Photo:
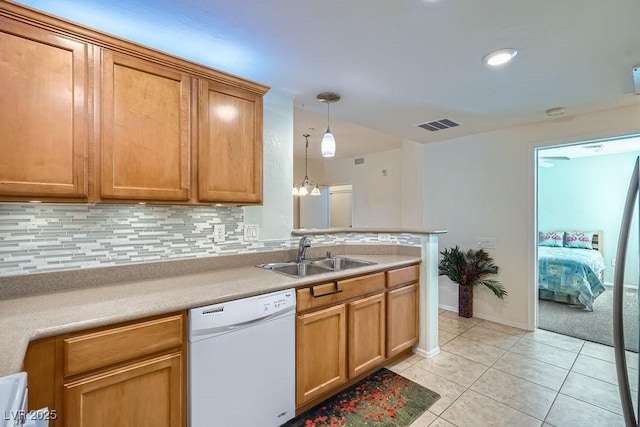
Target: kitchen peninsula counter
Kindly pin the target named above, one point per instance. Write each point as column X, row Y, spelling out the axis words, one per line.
column 66, row 308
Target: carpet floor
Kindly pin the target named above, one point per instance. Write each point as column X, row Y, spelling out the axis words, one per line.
column 596, row 326
column 383, row 399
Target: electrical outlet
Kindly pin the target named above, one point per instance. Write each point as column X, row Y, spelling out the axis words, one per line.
column 383, row 237
column 218, row 233
column 251, row 232
column 486, row 242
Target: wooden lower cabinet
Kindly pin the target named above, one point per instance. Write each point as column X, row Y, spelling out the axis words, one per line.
column 144, row 393
column 366, row 334
column 321, row 344
column 402, row 318
column 347, row 329
column 129, row 374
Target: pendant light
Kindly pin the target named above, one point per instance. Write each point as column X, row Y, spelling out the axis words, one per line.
column 328, row 146
column 302, row 189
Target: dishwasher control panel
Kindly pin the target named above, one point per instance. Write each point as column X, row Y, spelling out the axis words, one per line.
column 231, row 315
column 274, row 303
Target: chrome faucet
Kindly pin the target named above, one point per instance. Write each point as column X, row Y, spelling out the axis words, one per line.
column 305, row 243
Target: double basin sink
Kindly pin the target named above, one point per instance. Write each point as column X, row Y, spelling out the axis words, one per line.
column 309, row 267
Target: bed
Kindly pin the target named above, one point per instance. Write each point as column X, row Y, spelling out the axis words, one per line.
column 570, row 266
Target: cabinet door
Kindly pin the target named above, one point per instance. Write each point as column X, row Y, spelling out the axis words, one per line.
column 402, row 319
column 145, row 136
column 148, row 393
column 366, row 334
column 43, row 113
column 230, row 147
column 320, row 352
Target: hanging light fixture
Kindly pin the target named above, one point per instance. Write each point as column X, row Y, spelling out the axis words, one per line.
column 328, row 146
column 302, row 189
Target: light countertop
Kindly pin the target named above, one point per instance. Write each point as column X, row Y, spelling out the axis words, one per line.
column 319, row 231
column 29, row 318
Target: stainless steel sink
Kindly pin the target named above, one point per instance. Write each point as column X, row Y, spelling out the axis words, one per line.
column 310, row 267
column 342, row 263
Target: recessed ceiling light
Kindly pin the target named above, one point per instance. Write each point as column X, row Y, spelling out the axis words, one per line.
column 499, row 57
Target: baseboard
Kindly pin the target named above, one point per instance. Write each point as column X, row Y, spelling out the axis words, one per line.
column 427, row 354
column 502, row 321
column 626, row 286
column 446, row 307
column 489, row 318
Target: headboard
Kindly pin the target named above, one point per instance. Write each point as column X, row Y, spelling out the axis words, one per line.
column 596, row 243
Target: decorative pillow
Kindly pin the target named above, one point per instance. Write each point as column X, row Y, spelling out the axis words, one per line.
column 551, row 238
column 575, row 239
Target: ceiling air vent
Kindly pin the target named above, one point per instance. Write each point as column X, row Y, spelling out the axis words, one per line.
column 438, row 125
column 359, row 161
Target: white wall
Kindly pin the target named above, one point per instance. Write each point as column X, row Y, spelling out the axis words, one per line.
column 315, row 172
column 275, row 216
column 412, row 184
column 314, row 210
column 483, row 185
column 394, row 200
column 377, row 199
column 589, row 193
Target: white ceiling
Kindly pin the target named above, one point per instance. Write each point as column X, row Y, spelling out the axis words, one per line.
column 396, row 63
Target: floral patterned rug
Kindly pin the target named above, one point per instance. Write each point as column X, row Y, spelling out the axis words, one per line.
column 383, row 399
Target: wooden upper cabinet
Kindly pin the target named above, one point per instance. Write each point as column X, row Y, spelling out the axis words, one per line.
column 88, row 117
column 43, row 114
column 230, row 144
column 145, row 132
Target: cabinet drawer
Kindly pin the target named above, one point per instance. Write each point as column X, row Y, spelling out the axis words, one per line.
column 332, row 292
column 402, row 276
column 88, row 351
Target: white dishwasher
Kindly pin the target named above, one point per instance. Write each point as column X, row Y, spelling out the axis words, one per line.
column 242, row 362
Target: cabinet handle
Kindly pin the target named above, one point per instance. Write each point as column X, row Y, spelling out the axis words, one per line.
column 335, row 291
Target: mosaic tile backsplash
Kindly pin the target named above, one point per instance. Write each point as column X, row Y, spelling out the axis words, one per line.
column 39, row 238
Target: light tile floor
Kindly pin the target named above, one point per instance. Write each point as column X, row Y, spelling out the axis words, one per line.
column 490, row 374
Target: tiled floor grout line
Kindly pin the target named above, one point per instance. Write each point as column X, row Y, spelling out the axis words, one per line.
column 507, row 373
column 520, row 338
column 562, row 385
column 541, row 340
column 484, row 372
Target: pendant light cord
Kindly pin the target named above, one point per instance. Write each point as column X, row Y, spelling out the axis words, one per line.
column 306, row 151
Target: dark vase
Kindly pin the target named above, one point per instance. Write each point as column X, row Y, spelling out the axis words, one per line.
column 465, row 301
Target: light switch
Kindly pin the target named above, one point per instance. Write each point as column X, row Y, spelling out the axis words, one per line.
column 251, row 232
